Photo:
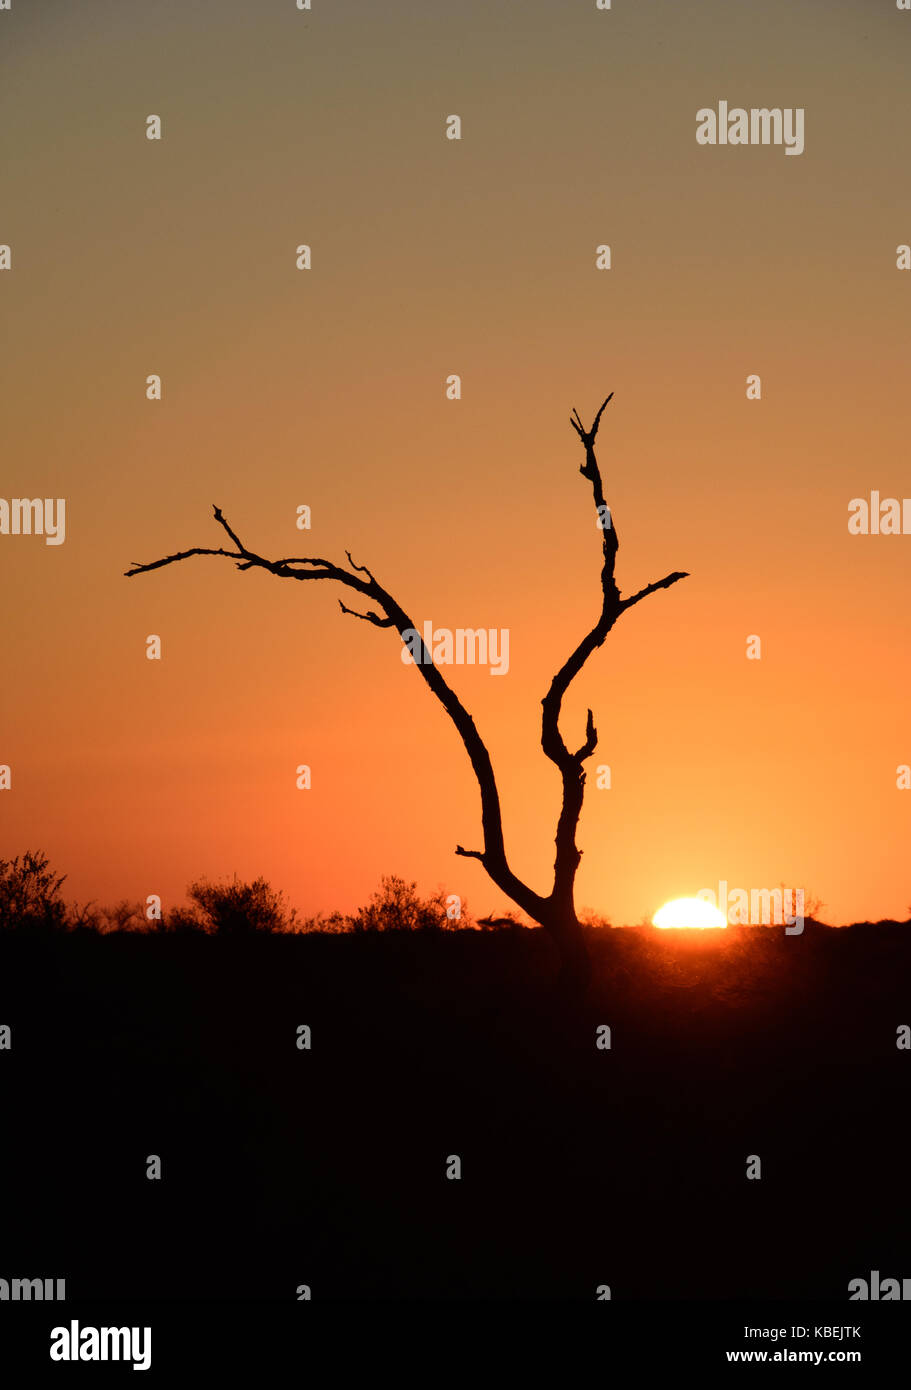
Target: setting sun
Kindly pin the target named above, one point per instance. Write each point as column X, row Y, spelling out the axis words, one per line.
column 689, row 912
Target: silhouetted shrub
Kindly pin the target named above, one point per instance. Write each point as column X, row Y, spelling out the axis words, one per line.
column 507, row 921
column 122, row 916
column 397, row 906
column 30, row 894
column 590, row 918
column 233, row 909
column 181, row 920
column 322, row 922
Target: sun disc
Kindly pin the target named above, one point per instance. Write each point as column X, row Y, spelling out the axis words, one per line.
column 689, row 912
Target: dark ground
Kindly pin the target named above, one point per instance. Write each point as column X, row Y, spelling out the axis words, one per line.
column 580, row 1167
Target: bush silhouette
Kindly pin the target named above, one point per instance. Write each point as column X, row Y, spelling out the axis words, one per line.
column 233, row 909
column 397, row 906
column 30, row 894
column 123, row 916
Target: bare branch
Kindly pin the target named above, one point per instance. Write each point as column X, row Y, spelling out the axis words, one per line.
column 551, row 738
column 390, row 614
column 362, row 568
column 221, row 521
column 588, row 436
column 653, row 588
column 303, row 559
column 591, row 740
column 331, row 569
column 172, row 559
column 470, row 853
column 367, row 617
column 552, row 742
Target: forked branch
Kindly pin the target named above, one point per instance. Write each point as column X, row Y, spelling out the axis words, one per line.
column 612, row 605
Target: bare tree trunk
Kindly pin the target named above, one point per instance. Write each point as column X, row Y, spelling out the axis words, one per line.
column 565, row 930
column 556, row 913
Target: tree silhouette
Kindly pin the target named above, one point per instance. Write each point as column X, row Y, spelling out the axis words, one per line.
column 30, row 893
column 556, row 912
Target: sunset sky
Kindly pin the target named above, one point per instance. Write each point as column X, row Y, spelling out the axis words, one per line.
column 327, row 388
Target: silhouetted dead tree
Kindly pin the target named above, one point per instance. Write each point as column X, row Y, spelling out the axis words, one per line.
column 556, row 912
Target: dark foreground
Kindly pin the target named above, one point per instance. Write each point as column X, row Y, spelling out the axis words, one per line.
column 580, row 1167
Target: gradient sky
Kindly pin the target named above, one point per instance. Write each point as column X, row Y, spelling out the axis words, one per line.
column 326, row 387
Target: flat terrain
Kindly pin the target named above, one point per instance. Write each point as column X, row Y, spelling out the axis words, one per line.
column 580, row 1166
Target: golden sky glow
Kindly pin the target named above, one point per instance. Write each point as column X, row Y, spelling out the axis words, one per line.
column 326, row 388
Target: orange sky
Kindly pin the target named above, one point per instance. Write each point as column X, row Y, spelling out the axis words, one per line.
column 326, row 387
